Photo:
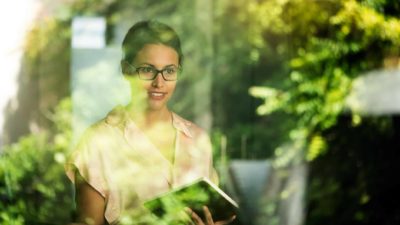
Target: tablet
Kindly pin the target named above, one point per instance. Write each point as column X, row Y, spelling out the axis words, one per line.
column 202, row 192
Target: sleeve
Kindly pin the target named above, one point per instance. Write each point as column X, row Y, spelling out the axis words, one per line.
column 206, row 145
column 87, row 160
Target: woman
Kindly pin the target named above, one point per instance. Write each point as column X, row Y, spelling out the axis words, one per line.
column 143, row 149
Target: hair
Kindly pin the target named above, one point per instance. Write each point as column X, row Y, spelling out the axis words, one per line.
column 149, row 32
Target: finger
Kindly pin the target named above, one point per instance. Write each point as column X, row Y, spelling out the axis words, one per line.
column 196, row 218
column 189, row 213
column 224, row 222
column 208, row 215
column 188, row 210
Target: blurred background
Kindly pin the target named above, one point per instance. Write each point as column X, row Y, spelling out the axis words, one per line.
column 301, row 99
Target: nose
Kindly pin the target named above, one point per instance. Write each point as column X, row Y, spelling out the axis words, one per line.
column 158, row 81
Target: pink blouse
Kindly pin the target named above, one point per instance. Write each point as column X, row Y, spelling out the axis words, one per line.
column 119, row 161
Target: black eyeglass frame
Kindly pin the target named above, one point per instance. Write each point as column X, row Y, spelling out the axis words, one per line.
column 155, row 71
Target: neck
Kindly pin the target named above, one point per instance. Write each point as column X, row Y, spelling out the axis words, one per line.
column 148, row 118
column 152, row 117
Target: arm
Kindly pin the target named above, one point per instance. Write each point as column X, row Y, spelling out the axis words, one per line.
column 90, row 203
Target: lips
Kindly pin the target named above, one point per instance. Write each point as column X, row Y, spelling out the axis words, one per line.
column 154, row 95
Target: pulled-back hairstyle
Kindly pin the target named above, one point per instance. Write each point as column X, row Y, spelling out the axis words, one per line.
column 149, row 32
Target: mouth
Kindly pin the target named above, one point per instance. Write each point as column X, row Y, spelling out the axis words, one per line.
column 157, row 95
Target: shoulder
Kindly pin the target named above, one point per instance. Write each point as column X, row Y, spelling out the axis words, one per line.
column 189, row 128
column 114, row 120
column 116, row 117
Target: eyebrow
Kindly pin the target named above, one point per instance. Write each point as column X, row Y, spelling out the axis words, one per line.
column 148, row 64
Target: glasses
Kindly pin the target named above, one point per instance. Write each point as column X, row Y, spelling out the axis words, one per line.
column 170, row 73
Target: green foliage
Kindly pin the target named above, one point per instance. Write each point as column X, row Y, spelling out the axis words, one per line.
column 299, row 59
column 34, row 188
column 326, row 52
column 328, row 44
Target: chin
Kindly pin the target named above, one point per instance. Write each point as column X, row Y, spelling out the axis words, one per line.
column 156, row 105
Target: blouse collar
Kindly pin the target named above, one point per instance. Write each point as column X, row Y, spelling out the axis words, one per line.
column 181, row 124
column 118, row 115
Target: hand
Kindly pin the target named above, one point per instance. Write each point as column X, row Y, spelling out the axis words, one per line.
column 209, row 220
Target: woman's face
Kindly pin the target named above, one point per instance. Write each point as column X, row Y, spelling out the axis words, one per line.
column 157, row 92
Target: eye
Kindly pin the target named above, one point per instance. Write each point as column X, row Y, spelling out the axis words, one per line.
column 146, row 69
column 170, row 70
